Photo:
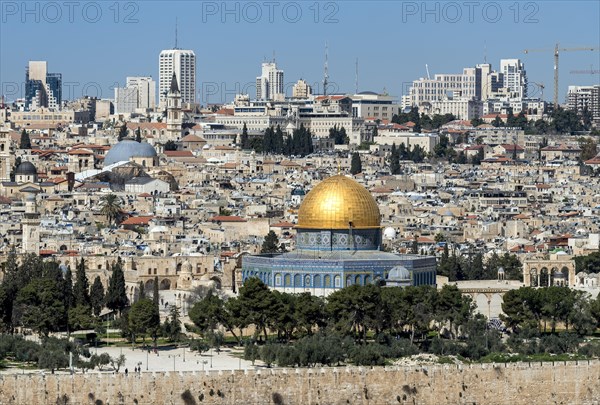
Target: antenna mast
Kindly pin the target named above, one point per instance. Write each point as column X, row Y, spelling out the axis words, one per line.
column 326, row 73
column 356, row 81
column 175, row 32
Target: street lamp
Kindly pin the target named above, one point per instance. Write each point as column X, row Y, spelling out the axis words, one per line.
column 174, row 357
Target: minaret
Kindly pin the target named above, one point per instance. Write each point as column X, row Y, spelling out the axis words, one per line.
column 31, row 223
column 174, row 114
column 6, row 158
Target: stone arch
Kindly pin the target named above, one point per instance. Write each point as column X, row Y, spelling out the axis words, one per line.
column 565, row 271
column 357, row 280
column 337, row 281
column 165, row 284
column 368, row 280
column 348, row 281
column 149, row 285
column 178, row 268
column 217, row 282
column 544, row 280
column 533, row 277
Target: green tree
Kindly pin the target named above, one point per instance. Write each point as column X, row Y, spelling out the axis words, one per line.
column 270, row 244
column 497, row 122
column 395, row 160
column 41, row 306
column 25, row 142
column 475, row 122
column 595, row 310
column 170, row 145
column 122, row 132
column 80, row 318
column 355, row 309
column 589, row 148
column 142, row 289
column 245, row 142
column 155, row 293
column 144, row 318
column 111, row 207
column 81, row 289
column 259, row 302
column 97, row 296
column 69, row 297
column 210, row 312
column 356, row 164
column 172, row 326
column 116, row 295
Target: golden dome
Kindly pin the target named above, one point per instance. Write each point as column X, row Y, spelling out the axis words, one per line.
column 337, row 201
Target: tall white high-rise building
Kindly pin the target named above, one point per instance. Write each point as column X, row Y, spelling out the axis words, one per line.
column 515, row 77
column 183, row 64
column 269, row 85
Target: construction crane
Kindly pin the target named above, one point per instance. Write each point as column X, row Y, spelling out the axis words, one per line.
column 557, row 51
column 541, row 87
column 585, row 72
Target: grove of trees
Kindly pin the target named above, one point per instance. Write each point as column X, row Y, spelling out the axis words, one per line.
column 369, row 324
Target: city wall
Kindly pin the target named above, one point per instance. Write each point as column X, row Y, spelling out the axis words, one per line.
column 512, row 383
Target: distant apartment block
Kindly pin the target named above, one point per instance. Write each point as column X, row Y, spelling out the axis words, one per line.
column 582, row 98
column 370, row 105
column 515, row 77
column 301, row 90
column 183, row 63
column 474, row 92
column 42, row 89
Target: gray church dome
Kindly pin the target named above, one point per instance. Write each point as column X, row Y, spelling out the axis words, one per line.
column 26, row 168
column 126, row 149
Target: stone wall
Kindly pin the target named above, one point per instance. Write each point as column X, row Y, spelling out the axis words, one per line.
column 513, row 383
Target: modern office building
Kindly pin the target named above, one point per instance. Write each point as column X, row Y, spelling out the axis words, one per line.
column 42, row 89
column 269, row 85
column 139, row 93
column 585, row 98
column 183, row 64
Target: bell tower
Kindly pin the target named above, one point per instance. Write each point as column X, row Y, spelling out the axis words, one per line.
column 174, row 114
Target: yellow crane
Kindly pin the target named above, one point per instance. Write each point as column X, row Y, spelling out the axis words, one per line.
column 557, row 50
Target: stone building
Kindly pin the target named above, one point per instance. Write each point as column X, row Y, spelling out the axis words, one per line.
column 338, row 244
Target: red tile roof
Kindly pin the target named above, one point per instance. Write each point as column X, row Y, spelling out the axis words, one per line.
column 137, row 220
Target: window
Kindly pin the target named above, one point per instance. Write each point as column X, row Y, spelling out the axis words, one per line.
column 338, row 281
column 277, row 279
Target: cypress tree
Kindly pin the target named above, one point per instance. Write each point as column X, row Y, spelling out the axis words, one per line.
column 25, row 142
column 355, row 164
column 81, row 289
column 97, row 296
column 116, row 295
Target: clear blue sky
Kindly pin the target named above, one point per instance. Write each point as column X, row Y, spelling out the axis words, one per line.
column 91, row 44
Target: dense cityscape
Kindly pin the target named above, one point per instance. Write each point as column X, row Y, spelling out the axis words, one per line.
column 299, row 225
